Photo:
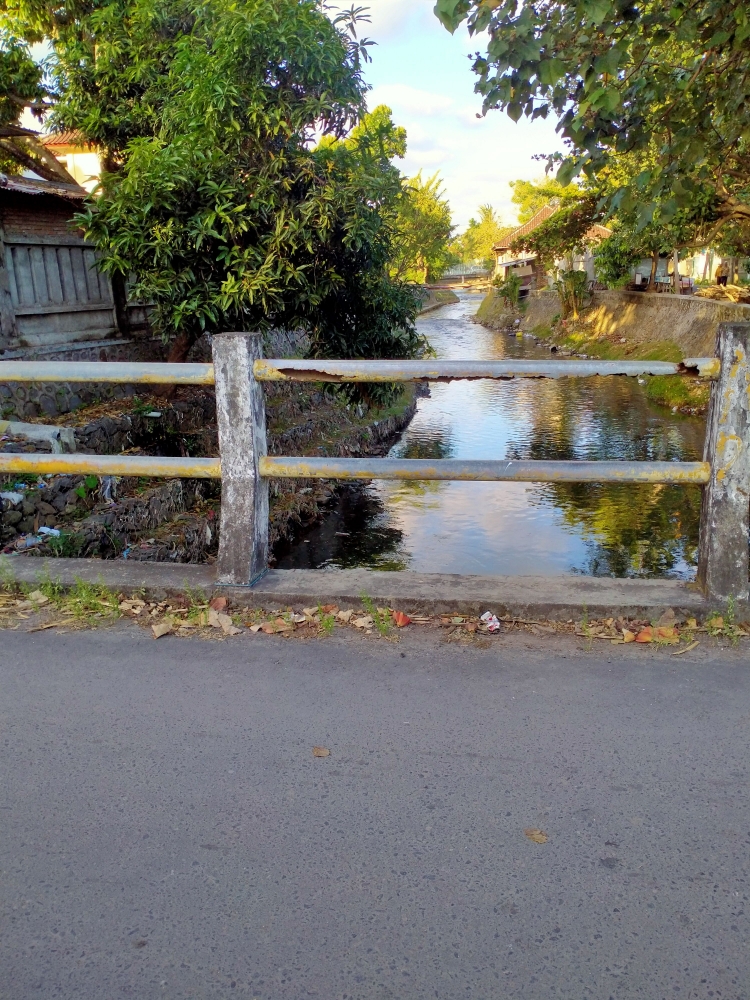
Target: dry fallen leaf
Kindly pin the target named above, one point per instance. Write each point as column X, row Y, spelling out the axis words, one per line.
column 645, row 635
column 345, row 616
column 321, row 752
column 214, row 618
column 538, row 836
column 330, row 609
column 366, row 622
column 163, row 628
column 627, row 635
column 255, row 628
column 227, row 627
column 691, row 623
column 716, row 622
column 310, row 612
column 400, row 619
column 668, row 618
column 218, row 603
column 38, row 597
column 667, row 634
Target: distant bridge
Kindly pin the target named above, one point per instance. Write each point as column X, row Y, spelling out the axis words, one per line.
column 476, row 269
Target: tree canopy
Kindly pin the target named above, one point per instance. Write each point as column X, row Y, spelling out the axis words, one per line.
column 669, row 83
column 475, row 244
column 423, row 231
column 530, row 196
column 215, row 197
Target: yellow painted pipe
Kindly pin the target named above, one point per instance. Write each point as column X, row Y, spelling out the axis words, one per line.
column 112, row 465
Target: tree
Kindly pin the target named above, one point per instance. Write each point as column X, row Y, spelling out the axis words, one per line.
column 672, row 81
column 21, row 87
column 481, row 235
column 530, row 196
column 563, row 235
column 423, row 231
column 215, row 197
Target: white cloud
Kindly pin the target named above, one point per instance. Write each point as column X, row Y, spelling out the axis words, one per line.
column 476, row 157
column 390, row 17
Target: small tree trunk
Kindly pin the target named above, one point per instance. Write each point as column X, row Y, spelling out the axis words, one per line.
column 705, row 264
column 676, row 270
column 654, row 269
column 178, row 354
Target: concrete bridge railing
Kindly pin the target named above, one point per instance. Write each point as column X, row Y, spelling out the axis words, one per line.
column 245, row 468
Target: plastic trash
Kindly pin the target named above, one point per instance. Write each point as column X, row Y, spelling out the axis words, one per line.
column 53, row 532
column 490, row 620
column 28, row 542
column 13, row 497
column 107, row 488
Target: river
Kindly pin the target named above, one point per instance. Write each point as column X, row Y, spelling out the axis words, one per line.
column 519, row 528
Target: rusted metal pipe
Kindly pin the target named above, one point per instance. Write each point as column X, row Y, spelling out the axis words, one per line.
column 485, row 471
column 148, row 373
column 112, row 465
column 275, row 369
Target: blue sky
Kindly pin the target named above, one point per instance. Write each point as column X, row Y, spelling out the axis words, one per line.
column 424, row 74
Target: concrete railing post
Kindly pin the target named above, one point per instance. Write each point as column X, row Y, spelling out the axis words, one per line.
column 725, row 511
column 241, row 418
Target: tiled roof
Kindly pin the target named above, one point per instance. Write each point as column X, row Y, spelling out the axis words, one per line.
column 71, row 138
column 536, row 220
column 595, row 232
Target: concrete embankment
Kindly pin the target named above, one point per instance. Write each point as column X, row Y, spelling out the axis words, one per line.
column 643, row 318
column 626, row 325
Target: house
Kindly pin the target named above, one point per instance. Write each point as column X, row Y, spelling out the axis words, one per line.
column 524, row 265
column 81, row 159
column 527, row 266
column 52, row 293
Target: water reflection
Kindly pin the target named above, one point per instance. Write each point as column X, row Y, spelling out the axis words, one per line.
column 520, row 528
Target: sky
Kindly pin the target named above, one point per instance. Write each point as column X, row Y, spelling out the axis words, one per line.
column 424, row 74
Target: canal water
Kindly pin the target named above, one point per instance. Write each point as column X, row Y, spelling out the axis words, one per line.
column 519, row 528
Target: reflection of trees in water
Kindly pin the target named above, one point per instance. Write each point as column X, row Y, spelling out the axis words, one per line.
column 368, row 539
column 435, row 445
column 633, row 529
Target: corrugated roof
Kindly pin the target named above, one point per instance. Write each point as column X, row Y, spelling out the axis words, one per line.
column 28, row 185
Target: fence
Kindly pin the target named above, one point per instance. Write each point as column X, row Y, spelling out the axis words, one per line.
column 244, row 467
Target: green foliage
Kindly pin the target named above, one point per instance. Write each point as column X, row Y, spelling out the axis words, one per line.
column 214, row 196
column 669, row 84
column 481, row 235
column 530, row 196
column 423, row 231
column 615, row 258
column 572, row 289
column 509, row 289
column 563, row 234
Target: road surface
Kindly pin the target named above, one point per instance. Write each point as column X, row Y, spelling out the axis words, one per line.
column 168, row 833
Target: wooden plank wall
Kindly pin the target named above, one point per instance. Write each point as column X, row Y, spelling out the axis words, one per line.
column 51, row 291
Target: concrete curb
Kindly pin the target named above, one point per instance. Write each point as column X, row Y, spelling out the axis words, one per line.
column 523, row 596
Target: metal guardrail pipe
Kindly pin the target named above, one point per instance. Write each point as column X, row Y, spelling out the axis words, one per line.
column 279, row 369
column 485, row 471
column 111, row 465
column 150, row 373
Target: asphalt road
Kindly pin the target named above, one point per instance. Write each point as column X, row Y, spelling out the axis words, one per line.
column 166, row 831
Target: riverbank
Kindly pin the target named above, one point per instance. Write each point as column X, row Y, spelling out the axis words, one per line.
column 626, row 325
column 436, row 298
